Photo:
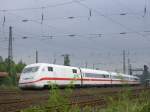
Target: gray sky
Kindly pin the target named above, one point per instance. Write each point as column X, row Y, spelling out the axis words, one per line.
column 104, row 50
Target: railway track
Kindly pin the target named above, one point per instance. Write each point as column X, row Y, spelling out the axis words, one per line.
column 102, row 89
column 28, row 98
column 21, row 91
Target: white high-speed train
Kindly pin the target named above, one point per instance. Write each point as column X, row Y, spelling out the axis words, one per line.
column 40, row 75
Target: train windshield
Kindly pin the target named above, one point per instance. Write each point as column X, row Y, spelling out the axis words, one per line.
column 30, row 69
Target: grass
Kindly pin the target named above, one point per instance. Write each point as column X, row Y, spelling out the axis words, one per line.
column 8, row 87
column 124, row 103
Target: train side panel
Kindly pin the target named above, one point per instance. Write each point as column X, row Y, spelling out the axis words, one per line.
column 67, row 75
column 50, row 74
column 41, row 74
column 95, row 77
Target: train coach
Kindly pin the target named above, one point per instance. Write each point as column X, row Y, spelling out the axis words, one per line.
column 40, row 75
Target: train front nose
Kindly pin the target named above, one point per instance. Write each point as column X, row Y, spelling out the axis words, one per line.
column 27, row 80
column 28, row 77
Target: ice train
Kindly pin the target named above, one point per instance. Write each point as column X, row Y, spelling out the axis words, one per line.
column 40, row 75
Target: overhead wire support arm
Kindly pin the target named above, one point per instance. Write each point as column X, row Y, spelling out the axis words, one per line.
column 42, row 15
column 145, row 8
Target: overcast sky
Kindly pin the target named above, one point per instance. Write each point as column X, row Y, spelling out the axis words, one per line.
column 92, row 31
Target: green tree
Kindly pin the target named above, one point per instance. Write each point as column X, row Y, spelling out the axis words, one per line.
column 2, row 67
column 1, row 59
column 145, row 75
column 20, row 66
column 12, row 68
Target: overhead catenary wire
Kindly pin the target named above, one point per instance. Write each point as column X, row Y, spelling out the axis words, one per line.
column 39, row 8
column 93, row 35
column 108, row 18
column 58, row 5
column 73, row 17
column 3, row 49
column 73, row 35
column 3, row 40
column 25, row 19
column 137, row 15
column 70, row 17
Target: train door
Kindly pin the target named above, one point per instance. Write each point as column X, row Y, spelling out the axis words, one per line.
column 76, row 76
column 51, row 74
column 81, row 76
column 110, row 76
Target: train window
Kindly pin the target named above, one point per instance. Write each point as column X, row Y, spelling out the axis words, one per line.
column 125, row 78
column 106, row 76
column 131, row 78
column 116, row 77
column 31, row 69
column 74, row 70
column 96, row 75
column 50, row 68
column 134, row 79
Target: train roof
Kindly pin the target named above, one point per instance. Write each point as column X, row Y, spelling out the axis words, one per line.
column 124, row 75
column 47, row 64
column 85, row 70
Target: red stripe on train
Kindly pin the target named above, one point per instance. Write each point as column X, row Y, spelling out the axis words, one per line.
column 85, row 79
